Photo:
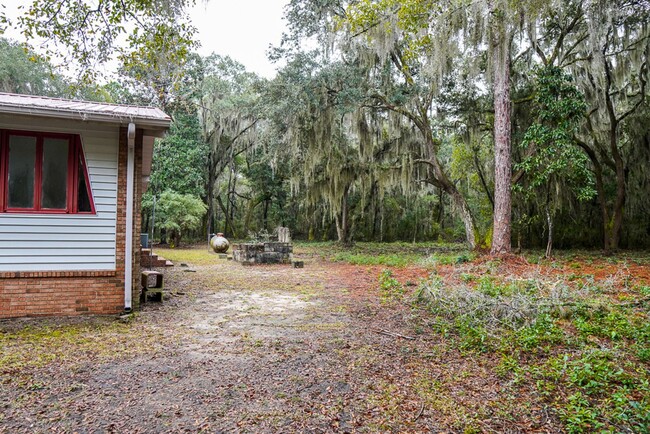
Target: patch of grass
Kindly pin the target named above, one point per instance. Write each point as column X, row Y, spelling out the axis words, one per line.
column 605, row 392
column 99, row 340
column 614, row 325
column 415, row 251
column 595, row 371
column 388, row 260
column 192, row 256
column 448, row 259
column 579, row 415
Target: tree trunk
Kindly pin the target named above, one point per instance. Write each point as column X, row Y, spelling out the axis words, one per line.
column 614, row 226
column 232, row 200
column 549, row 223
column 343, row 224
column 145, row 224
column 500, row 54
column 441, row 210
column 481, row 177
column 251, row 208
column 211, row 181
column 228, row 204
column 229, row 229
column 460, row 204
column 602, row 199
column 619, row 203
column 381, row 226
column 339, row 229
column 415, row 226
column 265, row 216
column 466, row 216
column 376, row 221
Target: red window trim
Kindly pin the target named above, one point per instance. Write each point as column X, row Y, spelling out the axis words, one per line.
column 79, row 157
column 75, row 157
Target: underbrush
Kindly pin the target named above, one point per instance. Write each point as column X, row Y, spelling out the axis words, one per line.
column 389, row 260
column 397, row 254
column 586, row 356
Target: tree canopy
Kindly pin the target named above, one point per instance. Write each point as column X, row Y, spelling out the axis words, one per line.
column 410, row 119
column 88, row 34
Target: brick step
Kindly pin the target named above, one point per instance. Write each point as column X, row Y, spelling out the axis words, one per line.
column 147, row 259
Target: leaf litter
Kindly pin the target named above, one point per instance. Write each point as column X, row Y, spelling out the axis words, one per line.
column 263, row 349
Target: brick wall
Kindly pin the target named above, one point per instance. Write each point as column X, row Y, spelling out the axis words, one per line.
column 48, row 293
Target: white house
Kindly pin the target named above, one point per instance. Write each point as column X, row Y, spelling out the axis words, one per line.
column 72, row 175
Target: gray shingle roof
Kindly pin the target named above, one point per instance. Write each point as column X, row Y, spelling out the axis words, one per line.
column 83, row 110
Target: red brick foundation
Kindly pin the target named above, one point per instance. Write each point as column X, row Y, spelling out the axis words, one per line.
column 50, row 293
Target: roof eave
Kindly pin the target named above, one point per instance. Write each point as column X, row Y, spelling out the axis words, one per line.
column 88, row 117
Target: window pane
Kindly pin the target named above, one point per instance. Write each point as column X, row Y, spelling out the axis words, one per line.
column 54, row 184
column 83, row 196
column 22, row 161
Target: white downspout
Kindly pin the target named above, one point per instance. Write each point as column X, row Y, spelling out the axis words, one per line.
column 128, row 249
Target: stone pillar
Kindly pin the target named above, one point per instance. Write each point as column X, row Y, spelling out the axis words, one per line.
column 284, row 236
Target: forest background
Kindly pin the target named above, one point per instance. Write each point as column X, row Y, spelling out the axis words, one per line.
column 503, row 124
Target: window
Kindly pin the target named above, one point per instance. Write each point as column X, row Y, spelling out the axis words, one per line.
column 43, row 173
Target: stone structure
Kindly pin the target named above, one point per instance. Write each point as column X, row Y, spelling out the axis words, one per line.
column 273, row 252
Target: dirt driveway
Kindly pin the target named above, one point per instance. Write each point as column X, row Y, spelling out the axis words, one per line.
column 262, row 349
column 232, row 349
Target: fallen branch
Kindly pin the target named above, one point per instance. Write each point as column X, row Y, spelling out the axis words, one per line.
column 419, row 413
column 393, row 334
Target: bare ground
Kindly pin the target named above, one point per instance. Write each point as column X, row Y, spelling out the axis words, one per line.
column 263, row 349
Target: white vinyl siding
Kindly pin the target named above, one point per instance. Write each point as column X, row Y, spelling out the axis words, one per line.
column 67, row 242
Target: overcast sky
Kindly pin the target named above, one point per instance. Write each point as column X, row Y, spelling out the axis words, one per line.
column 241, row 29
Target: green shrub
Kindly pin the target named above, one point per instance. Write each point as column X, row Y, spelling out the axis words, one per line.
column 179, row 214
